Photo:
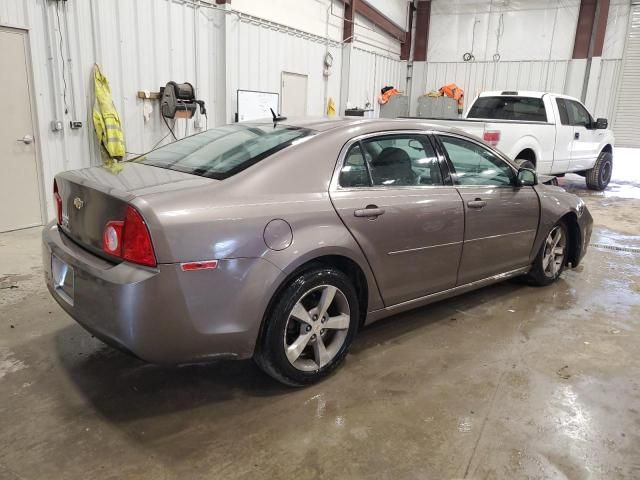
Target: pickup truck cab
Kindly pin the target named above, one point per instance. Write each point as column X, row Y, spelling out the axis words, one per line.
column 555, row 134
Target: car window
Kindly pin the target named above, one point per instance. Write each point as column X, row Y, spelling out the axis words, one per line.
column 222, row 152
column 475, row 164
column 578, row 115
column 354, row 172
column 509, row 108
column 402, row 160
column 562, row 108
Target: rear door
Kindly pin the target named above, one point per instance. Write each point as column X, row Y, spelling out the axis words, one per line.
column 584, row 149
column 501, row 220
column 390, row 193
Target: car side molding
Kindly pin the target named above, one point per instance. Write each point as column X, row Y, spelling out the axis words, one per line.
column 434, row 297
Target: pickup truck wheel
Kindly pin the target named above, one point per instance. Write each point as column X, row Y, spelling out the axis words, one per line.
column 524, row 163
column 599, row 176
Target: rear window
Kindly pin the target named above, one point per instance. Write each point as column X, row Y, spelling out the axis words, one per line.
column 509, row 108
column 222, row 152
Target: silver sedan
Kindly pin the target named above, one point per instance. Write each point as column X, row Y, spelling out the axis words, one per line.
column 279, row 241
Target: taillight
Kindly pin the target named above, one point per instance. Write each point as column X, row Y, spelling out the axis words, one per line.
column 129, row 239
column 492, row 137
column 58, row 200
column 112, row 238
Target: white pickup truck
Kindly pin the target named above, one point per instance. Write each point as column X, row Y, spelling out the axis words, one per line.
column 555, row 134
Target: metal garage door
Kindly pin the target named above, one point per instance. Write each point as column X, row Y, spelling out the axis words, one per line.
column 626, row 126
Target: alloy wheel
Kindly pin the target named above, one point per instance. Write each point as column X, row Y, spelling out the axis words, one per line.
column 317, row 328
column 554, row 251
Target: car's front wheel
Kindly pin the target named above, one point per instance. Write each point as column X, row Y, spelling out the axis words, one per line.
column 551, row 258
column 310, row 327
column 599, row 176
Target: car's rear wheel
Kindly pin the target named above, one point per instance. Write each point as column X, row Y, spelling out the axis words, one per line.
column 309, row 328
column 551, row 258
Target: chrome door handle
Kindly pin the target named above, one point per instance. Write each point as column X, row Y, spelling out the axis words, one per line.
column 371, row 211
column 27, row 139
column 477, row 203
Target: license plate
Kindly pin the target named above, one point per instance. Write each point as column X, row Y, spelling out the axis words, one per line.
column 62, row 275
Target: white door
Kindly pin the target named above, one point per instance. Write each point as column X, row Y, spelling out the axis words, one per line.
column 294, row 95
column 564, row 138
column 584, row 149
column 627, row 113
column 19, row 185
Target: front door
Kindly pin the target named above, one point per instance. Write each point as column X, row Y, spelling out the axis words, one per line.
column 294, row 95
column 501, row 220
column 391, row 196
column 584, row 148
column 564, row 138
column 19, row 186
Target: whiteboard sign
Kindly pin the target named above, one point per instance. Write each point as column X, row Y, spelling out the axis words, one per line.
column 254, row 105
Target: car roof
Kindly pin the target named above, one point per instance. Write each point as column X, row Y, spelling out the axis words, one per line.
column 511, row 93
column 365, row 125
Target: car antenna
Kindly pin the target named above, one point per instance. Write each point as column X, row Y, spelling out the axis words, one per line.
column 276, row 118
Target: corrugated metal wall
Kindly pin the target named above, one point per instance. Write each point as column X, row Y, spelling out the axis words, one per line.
column 140, row 45
column 259, row 51
column 475, row 77
column 606, row 87
column 549, row 76
column 369, row 73
column 627, row 111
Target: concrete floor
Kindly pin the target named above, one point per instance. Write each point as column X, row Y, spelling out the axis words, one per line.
column 506, row 382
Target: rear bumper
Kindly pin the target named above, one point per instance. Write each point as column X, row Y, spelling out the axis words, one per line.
column 165, row 315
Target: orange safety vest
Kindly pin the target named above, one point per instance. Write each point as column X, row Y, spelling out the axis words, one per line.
column 384, row 97
column 451, row 90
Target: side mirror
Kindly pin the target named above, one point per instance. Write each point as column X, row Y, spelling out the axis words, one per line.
column 602, row 123
column 527, row 177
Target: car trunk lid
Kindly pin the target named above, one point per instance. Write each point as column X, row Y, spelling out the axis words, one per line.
column 93, row 196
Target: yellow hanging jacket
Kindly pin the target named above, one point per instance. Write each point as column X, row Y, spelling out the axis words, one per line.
column 106, row 120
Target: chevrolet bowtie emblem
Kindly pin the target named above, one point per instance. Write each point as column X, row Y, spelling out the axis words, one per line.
column 78, row 203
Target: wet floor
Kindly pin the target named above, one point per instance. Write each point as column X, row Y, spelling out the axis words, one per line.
column 507, row 382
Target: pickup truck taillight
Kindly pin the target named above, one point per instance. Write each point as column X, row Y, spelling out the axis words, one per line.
column 492, row 137
column 129, row 239
column 58, row 200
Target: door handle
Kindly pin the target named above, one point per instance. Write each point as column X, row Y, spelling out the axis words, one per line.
column 371, row 211
column 477, row 203
column 576, row 135
column 27, row 139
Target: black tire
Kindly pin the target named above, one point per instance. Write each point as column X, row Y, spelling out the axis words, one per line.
column 538, row 275
column 271, row 355
column 553, row 181
column 599, row 176
column 524, row 163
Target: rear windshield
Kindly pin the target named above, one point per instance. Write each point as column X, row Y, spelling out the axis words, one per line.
column 509, row 108
column 222, row 152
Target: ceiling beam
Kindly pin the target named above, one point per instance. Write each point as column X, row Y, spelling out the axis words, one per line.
column 349, row 17
column 421, row 41
column 380, row 20
column 591, row 28
column 405, row 49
